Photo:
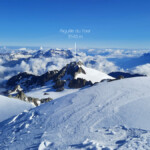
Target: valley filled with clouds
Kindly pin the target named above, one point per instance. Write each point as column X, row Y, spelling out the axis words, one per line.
column 106, row 60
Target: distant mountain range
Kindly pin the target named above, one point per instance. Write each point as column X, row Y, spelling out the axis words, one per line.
column 53, row 52
column 36, row 54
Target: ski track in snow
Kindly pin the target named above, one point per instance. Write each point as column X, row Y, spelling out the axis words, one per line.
column 93, row 118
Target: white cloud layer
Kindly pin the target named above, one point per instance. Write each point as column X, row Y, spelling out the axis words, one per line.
column 39, row 66
column 142, row 69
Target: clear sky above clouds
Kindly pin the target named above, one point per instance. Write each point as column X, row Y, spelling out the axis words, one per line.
column 112, row 23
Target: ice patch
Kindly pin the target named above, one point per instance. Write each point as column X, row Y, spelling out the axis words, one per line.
column 27, row 125
column 44, row 144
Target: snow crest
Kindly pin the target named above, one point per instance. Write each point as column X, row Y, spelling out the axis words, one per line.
column 105, row 116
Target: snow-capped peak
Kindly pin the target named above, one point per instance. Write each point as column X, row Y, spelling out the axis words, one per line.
column 78, row 70
column 92, row 75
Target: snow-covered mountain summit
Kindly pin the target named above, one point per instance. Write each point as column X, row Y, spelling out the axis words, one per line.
column 73, row 75
column 25, row 54
column 103, row 116
column 53, row 52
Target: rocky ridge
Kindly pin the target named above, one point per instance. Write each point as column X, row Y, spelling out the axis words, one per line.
column 19, row 94
column 65, row 76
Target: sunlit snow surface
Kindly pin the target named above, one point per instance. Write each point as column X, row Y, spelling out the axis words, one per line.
column 90, row 75
column 93, row 75
column 10, row 107
column 50, row 92
column 106, row 116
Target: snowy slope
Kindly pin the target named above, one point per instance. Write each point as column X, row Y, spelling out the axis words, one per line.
column 88, row 119
column 50, row 92
column 93, row 75
column 10, row 107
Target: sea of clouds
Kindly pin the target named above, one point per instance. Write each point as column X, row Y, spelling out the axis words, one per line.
column 99, row 62
column 39, row 66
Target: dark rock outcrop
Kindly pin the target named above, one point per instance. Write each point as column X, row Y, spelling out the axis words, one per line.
column 120, row 77
column 71, row 69
column 26, row 80
column 79, row 83
column 23, row 77
column 66, row 76
column 44, row 100
column 107, row 80
column 17, row 89
column 21, row 95
column 46, row 77
column 59, row 85
column 124, row 74
column 46, row 93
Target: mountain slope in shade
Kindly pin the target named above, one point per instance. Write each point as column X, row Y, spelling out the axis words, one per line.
column 10, row 107
column 124, row 74
column 104, row 116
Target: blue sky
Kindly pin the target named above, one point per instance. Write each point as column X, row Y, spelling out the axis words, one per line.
column 112, row 23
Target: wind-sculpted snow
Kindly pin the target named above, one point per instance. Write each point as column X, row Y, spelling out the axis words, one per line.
column 105, row 116
column 10, row 107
